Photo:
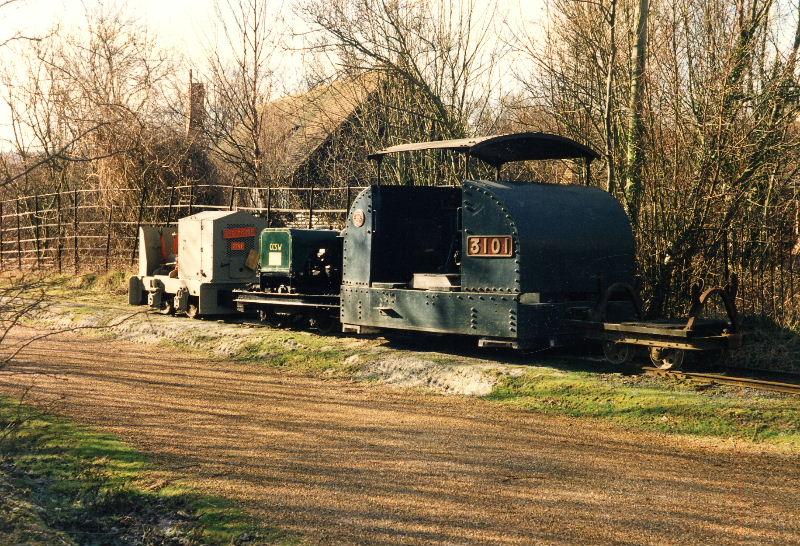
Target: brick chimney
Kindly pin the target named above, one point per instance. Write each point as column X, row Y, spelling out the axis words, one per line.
column 197, row 110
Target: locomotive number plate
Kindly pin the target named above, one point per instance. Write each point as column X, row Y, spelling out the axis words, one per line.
column 490, row 246
column 238, row 233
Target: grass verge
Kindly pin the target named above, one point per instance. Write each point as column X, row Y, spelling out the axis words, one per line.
column 68, row 484
column 655, row 404
column 549, row 386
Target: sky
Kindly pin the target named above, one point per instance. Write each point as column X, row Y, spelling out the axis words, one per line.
column 186, row 27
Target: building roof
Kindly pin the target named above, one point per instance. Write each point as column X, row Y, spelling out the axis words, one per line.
column 296, row 126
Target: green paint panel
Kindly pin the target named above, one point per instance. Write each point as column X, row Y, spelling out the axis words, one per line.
column 276, row 250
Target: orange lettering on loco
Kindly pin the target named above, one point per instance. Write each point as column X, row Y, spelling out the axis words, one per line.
column 490, row 246
column 237, row 245
column 238, row 233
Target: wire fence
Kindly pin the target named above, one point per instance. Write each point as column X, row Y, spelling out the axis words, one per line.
column 94, row 229
column 764, row 263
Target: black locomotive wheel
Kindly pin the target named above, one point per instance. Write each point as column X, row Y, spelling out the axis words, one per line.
column 266, row 316
column 192, row 311
column 324, row 324
column 618, row 353
column 167, row 307
column 665, row 358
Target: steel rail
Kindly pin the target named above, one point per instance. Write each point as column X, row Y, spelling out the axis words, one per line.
column 710, row 378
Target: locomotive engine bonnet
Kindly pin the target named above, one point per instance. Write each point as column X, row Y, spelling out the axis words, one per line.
column 551, row 242
column 503, row 260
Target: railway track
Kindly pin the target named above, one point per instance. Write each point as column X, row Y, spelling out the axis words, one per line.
column 711, row 378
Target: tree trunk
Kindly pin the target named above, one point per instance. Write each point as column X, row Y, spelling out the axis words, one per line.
column 635, row 153
column 608, row 109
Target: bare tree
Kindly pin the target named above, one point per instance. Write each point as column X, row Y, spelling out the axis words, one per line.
column 634, row 144
column 444, row 52
column 717, row 122
column 241, row 78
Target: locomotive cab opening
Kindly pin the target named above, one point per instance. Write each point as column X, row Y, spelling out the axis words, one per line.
column 416, row 241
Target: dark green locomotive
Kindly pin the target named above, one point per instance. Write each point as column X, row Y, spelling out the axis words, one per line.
column 502, row 261
column 300, row 260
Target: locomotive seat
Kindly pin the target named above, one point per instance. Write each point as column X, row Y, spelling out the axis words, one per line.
column 436, row 281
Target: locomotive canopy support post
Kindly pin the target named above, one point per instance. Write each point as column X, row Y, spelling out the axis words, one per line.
column 378, row 163
column 588, row 177
column 497, row 171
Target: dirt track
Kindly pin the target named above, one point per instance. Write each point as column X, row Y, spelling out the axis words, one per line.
column 348, row 462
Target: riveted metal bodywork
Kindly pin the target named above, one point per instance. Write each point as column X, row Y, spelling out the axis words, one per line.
column 568, row 240
column 556, row 247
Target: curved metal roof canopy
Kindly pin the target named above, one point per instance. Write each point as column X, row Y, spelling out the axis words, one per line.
column 499, row 149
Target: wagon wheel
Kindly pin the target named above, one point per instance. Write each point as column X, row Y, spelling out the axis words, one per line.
column 167, row 307
column 665, row 358
column 618, row 353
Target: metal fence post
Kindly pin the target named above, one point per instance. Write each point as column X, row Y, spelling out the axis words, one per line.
column 347, row 208
column 269, row 206
column 75, row 257
column 108, row 234
column 36, row 231
column 59, row 243
column 171, row 199
column 232, row 196
column 139, row 223
column 191, row 200
column 19, row 240
column 1, row 236
column 311, row 207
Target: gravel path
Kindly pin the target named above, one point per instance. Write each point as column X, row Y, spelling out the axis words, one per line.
column 362, row 463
